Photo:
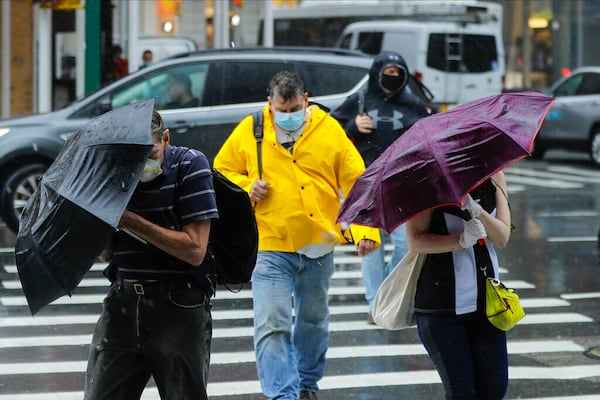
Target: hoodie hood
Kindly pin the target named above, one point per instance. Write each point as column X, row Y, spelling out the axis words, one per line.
column 381, row 61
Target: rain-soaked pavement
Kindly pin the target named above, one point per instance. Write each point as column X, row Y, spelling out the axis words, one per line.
column 552, row 261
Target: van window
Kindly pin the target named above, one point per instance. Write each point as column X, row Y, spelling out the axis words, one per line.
column 322, row 80
column 462, row 53
column 370, row 42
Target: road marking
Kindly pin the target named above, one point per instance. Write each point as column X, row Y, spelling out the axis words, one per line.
column 551, row 176
column 341, row 352
column 580, row 296
column 336, row 382
column 248, row 331
column 590, row 175
column 19, row 300
column 565, row 318
column 575, row 213
column 549, row 183
column 87, row 319
column 566, row 239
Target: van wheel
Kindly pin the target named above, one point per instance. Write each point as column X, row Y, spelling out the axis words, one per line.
column 595, row 147
column 18, row 189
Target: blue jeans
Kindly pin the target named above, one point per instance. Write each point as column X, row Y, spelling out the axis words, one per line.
column 469, row 353
column 290, row 359
column 166, row 336
column 374, row 267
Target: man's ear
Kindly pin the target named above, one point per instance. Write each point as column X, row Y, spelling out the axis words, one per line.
column 166, row 136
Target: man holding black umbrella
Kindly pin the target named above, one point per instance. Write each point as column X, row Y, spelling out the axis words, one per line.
column 156, row 319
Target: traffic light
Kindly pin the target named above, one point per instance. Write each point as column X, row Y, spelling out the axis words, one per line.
column 238, row 3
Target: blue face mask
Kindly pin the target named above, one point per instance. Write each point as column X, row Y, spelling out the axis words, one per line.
column 289, row 121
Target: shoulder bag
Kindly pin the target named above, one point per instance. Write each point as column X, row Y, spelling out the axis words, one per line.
column 393, row 307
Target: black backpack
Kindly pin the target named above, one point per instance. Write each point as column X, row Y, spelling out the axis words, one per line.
column 234, row 236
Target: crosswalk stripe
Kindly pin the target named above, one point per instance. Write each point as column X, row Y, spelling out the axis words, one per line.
column 576, row 239
column 551, row 183
column 340, row 352
column 247, row 331
column 549, row 176
column 580, row 296
column 352, row 381
column 568, row 172
column 354, row 273
column 569, row 213
column 221, row 294
column 47, row 320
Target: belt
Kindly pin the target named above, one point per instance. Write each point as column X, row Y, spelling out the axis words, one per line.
column 142, row 287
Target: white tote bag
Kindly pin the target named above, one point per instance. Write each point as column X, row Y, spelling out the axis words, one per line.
column 393, row 307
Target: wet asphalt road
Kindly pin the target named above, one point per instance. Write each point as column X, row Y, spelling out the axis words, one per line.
column 552, row 261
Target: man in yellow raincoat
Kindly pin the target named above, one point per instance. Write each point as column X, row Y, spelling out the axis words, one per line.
column 307, row 163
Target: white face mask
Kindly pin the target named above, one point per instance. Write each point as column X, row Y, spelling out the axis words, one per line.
column 151, row 170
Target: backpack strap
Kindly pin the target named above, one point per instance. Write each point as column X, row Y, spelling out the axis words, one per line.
column 258, row 135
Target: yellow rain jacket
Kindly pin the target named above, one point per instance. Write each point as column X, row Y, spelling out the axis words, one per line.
column 303, row 201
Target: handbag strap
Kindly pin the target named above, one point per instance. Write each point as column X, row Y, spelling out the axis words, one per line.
column 483, row 263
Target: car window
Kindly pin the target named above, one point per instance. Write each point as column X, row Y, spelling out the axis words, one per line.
column 570, row 86
column 158, row 85
column 245, row 82
column 590, row 84
column 327, row 79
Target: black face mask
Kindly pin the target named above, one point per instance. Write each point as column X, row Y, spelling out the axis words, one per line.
column 393, row 83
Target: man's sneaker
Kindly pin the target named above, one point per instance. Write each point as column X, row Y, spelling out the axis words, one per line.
column 308, row 395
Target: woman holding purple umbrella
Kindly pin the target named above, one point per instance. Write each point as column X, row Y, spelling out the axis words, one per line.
column 469, row 353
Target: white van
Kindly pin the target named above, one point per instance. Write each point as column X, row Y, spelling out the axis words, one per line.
column 457, row 61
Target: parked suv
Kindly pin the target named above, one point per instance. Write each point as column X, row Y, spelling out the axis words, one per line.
column 573, row 122
column 226, row 86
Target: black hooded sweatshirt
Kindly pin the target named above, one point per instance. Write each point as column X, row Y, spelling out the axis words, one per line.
column 391, row 116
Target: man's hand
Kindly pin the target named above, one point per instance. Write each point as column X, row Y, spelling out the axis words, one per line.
column 107, row 253
column 364, row 123
column 259, row 190
column 365, row 246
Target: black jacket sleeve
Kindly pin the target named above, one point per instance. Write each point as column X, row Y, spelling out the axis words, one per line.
column 346, row 113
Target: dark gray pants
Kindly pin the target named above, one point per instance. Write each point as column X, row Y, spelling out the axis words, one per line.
column 165, row 335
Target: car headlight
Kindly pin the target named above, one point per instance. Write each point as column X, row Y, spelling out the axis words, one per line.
column 4, row 131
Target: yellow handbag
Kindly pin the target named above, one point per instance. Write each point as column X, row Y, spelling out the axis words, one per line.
column 502, row 305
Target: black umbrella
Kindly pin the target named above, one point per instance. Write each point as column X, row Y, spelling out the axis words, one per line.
column 79, row 202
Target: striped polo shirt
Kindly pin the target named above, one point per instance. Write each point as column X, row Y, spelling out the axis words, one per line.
column 182, row 194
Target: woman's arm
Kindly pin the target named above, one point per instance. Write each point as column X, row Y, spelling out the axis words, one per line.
column 498, row 228
column 420, row 240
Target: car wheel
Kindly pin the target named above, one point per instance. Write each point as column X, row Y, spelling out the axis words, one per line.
column 18, row 189
column 595, row 147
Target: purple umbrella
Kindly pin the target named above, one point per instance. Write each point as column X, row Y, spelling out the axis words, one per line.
column 443, row 157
